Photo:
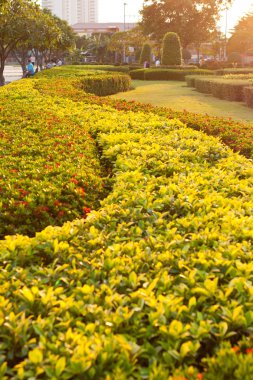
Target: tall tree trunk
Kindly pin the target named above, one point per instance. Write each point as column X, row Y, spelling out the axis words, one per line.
column 21, row 58
column 2, row 79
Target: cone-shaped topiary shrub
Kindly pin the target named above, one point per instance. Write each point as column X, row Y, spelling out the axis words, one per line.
column 145, row 53
column 172, row 51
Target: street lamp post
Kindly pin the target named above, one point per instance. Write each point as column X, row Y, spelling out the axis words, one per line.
column 124, row 44
column 125, row 4
column 226, row 29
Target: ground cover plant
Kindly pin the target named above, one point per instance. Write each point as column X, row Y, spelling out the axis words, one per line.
column 155, row 284
column 237, row 135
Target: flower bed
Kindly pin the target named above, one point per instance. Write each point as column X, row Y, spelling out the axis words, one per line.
column 50, row 171
column 154, row 284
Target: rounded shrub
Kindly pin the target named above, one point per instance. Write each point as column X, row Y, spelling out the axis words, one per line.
column 171, row 51
column 145, row 53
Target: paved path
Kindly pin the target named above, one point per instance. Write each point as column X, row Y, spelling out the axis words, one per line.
column 12, row 73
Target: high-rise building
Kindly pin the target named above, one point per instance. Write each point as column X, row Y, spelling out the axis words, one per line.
column 73, row 11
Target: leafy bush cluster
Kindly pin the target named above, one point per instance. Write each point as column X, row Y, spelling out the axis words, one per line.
column 166, row 74
column 50, row 169
column 237, row 135
column 155, row 284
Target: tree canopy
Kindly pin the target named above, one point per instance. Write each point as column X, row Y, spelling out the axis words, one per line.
column 242, row 38
column 25, row 27
column 192, row 20
column 16, row 18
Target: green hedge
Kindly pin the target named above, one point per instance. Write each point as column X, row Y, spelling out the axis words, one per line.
column 203, row 84
column 96, row 82
column 228, row 89
column 106, row 84
column 248, row 70
column 190, row 80
column 166, row 74
column 248, row 96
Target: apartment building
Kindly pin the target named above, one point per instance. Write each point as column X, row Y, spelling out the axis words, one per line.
column 73, row 11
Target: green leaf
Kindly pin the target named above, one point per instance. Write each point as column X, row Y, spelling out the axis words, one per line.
column 60, row 366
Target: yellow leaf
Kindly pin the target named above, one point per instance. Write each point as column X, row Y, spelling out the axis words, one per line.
column 35, row 356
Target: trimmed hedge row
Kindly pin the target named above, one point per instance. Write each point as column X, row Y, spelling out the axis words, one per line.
column 248, row 96
column 166, row 74
column 223, row 88
column 156, row 284
column 106, row 84
column 248, row 70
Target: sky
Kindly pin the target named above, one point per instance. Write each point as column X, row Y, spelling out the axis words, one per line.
column 113, row 10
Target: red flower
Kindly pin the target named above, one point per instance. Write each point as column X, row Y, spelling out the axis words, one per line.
column 235, row 348
column 249, row 350
column 199, row 376
column 74, row 181
column 86, row 210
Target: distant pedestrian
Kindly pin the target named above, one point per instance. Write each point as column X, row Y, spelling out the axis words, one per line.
column 157, row 62
column 32, row 59
column 29, row 70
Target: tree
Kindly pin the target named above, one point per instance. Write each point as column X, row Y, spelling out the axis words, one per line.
column 186, row 55
column 52, row 38
column 192, row 20
column 171, row 51
column 242, row 37
column 16, row 18
column 82, row 42
column 133, row 38
column 145, row 53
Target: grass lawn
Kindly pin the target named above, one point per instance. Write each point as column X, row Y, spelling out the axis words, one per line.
column 176, row 95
